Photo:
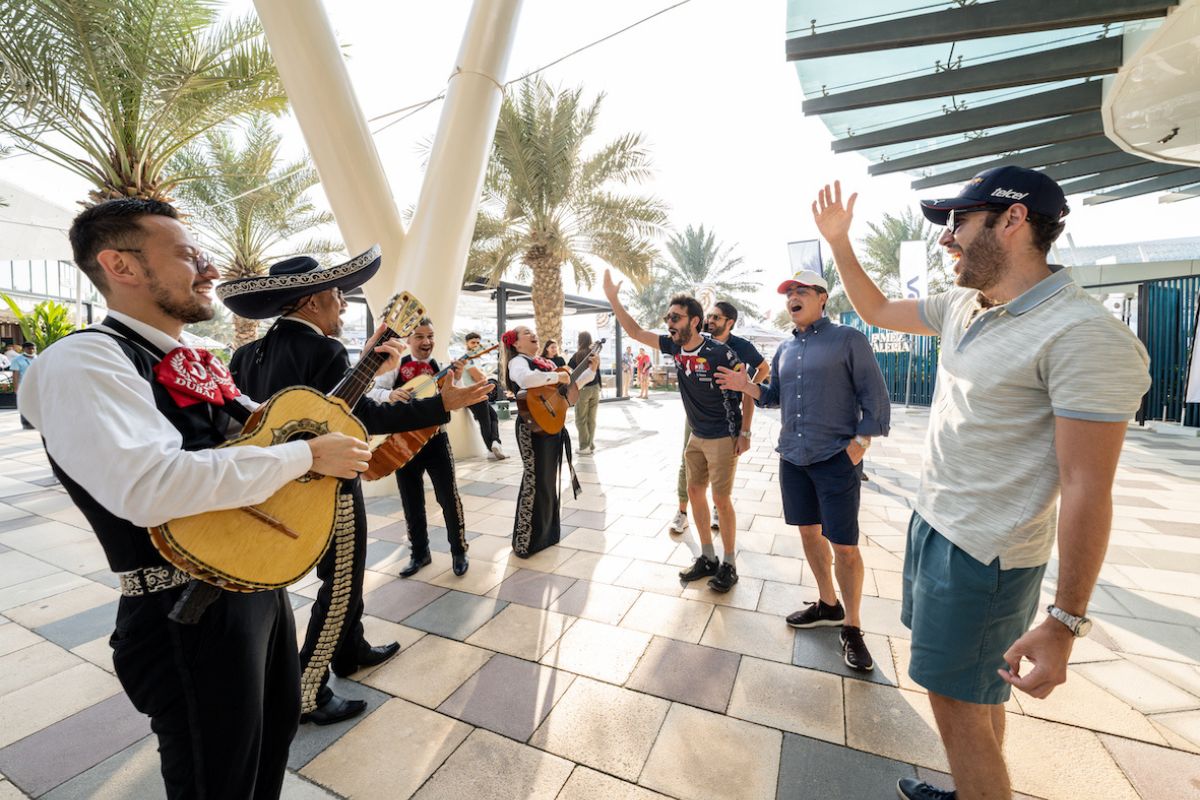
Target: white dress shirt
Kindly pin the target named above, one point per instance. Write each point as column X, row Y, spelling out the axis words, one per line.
column 525, row 376
column 101, row 425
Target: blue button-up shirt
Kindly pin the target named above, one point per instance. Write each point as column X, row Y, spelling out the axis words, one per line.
column 829, row 389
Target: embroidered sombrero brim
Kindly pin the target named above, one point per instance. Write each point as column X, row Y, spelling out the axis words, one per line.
column 265, row 296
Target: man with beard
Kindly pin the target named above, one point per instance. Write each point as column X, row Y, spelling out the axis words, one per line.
column 832, row 400
column 719, row 436
column 301, row 349
column 132, row 441
column 1036, row 383
column 435, row 458
column 718, row 324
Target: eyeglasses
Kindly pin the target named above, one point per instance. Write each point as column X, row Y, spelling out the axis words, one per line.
column 200, row 261
column 715, row 317
column 671, row 319
column 955, row 220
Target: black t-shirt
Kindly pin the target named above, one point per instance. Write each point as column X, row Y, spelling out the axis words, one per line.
column 712, row 412
column 574, row 361
column 746, row 352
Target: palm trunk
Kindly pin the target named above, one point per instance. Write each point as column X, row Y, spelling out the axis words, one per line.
column 547, row 295
column 244, row 331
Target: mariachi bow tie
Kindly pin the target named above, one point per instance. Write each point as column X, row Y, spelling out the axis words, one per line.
column 545, row 364
column 191, row 375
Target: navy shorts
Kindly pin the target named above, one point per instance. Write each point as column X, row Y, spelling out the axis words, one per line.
column 825, row 493
column 964, row 615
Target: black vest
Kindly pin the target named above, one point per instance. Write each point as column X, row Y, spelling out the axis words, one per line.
column 127, row 546
column 511, row 384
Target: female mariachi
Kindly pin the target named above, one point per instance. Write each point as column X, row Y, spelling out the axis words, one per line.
column 536, row 526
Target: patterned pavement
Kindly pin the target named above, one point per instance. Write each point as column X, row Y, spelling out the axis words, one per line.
column 588, row 671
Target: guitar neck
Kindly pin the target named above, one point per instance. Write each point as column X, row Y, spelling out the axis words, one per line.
column 582, row 366
column 359, row 379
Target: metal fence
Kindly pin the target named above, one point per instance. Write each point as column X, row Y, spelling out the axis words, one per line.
column 909, row 363
column 1166, row 325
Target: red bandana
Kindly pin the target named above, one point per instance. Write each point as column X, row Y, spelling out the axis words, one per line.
column 545, row 364
column 195, row 376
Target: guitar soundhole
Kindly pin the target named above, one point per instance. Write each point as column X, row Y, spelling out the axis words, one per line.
column 299, row 430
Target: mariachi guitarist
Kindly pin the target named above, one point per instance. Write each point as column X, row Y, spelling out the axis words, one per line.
column 537, row 524
column 300, row 349
column 131, row 439
column 435, row 458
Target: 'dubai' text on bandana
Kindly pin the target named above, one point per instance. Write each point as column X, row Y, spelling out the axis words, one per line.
column 191, row 375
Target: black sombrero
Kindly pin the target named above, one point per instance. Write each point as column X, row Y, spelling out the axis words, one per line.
column 264, row 296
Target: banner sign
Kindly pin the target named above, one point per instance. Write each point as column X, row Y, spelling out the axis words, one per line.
column 891, row 342
column 806, row 254
column 914, row 270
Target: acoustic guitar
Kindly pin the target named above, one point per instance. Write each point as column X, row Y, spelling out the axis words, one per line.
column 277, row 542
column 391, row 452
column 545, row 407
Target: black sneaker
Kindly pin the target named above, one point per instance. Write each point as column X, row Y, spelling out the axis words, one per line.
column 817, row 615
column 854, row 650
column 701, row 568
column 725, row 578
column 912, row 789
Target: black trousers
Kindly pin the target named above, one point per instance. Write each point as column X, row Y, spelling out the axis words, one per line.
column 489, row 424
column 537, row 524
column 223, row 695
column 339, row 600
column 437, row 459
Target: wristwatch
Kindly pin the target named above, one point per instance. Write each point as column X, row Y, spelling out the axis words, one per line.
column 862, row 442
column 745, row 434
column 1080, row 626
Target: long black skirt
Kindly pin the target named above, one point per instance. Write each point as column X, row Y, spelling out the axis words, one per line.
column 537, row 524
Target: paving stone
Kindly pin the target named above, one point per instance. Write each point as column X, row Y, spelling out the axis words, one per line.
column 311, row 739
column 668, row 616
column 603, row 726
column 1185, row 676
column 400, row 599
column 82, row 627
column 389, row 754
column 744, row 594
column 650, row 576
column 791, row 698
column 1077, row 767
column 1082, row 703
column 522, row 631
column 481, row 577
column 429, row 671
column 587, row 784
column 596, row 601
column 508, row 696
column 531, row 588
column 693, row 674
column 1140, row 688
column 600, row 651
column 13, row 637
column 133, row 773
column 770, row 568
column 491, row 548
column 455, row 615
column 547, row 560
column 16, row 567
column 839, row 771
column 33, row 663
column 697, row 750
column 489, row 765
column 51, row 699
column 894, row 723
column 748, row 632
column 821, row 648
column 479, row 488
column 78, row 557
column 1155, row 771
column 59, row 752
column 1184, row 723
column 590, row 566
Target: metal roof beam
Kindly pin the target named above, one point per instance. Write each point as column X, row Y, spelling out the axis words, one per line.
column 1092, row 166
column 1075, row 99
column 1172, row 181
column 1064, row 129
column 1039, row 157
column 1099, row 57
column 1119, row 177
column 973, row 22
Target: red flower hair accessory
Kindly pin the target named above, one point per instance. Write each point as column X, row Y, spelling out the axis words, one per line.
column 509, row 338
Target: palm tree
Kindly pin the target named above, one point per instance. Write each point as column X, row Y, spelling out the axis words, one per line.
column 246, row 205
column 698, row 260
column 648, row 302
column 881, row 251
column 113, row 89
column 546, row 204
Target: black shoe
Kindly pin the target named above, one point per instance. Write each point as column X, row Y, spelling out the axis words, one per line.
column 367, row 656
column 854, row 650
column 414, row 565
column 335, row 709
column 459, row 563
column 817, row 615
column 912, row 789
column 725, row 578
column 701, row 568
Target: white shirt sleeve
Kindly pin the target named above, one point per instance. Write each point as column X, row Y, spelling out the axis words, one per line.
column 528, row 378
column 384, row 385
column 100, row 424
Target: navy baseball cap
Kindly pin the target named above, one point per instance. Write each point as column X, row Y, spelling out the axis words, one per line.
column 1003, row 186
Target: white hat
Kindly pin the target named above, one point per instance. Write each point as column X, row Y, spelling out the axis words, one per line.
column 805, row 277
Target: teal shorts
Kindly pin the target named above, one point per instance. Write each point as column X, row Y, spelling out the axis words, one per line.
column 963, row 615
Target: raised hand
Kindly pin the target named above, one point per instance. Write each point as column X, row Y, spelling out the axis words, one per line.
column 462, row 396
column 611, row 290
column 832, row 218
column 338, row 455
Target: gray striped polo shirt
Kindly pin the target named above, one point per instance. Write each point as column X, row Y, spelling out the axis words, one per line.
column 990, row 482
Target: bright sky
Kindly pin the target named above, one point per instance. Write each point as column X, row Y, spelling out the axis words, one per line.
column 708, row 86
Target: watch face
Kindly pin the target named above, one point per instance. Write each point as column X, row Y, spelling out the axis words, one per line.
column 1085, row 627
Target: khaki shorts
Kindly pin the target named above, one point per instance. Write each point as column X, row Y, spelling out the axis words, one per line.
column 711, row 461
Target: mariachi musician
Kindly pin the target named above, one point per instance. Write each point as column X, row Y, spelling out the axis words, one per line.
column 132, row 443
column 435, row 458
column 537, row 524
column 301, row 349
